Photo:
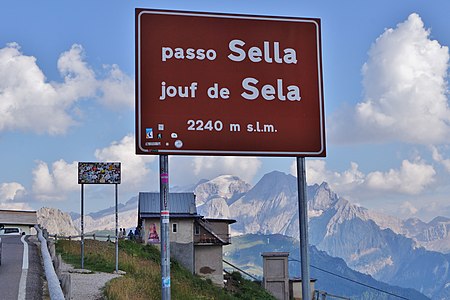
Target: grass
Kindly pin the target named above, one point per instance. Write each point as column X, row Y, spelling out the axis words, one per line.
column 143, row 278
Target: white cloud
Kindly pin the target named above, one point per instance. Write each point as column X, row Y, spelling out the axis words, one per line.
column 189, row 170
column 135, row 168
column 54, row 184
column 10, row 191
column 316, row 173
column 408, row 209
column 117, row 89
column 410, row 179
column 137, row 172
column 29, row 102
column 405, row 85
column 15, row 206
column 438, row 158
column 79, row 78
column 11, row 194
column 57, row 182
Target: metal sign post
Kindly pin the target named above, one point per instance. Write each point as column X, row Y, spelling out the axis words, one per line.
column 99, row 173
column 164, row 222
column 82, row 226
column 303, row 226
column 117, row 230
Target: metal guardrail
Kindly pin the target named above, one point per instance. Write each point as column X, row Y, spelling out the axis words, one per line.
column 54, row 286
column 109, row 238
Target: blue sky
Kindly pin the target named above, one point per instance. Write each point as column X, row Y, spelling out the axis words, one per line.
column 67, row 95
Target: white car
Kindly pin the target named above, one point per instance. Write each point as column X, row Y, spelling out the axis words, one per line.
column 11, row 231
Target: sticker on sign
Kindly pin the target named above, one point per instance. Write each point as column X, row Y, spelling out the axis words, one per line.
column 241, row 85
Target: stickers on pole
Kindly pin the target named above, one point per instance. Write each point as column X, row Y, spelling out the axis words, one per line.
column 99, row 173
column 165, row 178
column 165, row 216
column 166, row 282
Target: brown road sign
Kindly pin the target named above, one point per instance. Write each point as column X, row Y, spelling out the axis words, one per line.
column 220, row 84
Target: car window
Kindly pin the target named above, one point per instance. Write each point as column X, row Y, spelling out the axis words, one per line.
column 11, row 230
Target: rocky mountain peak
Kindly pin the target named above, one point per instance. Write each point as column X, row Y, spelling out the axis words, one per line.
column 226, row 187
column 56, row 221
column 323, row 198
column 273, row 184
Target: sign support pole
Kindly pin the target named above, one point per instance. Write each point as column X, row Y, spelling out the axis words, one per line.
column 117, row 230
column 82, row 226
column 164, row 224
column 303, row 226
column 99, row 173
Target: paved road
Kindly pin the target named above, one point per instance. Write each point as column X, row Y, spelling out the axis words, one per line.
column 12, row 266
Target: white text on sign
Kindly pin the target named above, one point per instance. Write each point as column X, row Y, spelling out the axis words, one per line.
column 269, row 53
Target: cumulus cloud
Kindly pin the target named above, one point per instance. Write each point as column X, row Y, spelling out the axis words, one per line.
column 11, row 191
column 53, row 184
column 117, row 89
column 316, row 173
column 79, row 78
column 189, row 170
column 29, row 102
column 437, row 156
column 410, row 179
column 11, row 196
column 135, row 168
column 405, row 86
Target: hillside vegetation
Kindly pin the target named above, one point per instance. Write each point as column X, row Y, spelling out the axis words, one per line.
column 143, row 278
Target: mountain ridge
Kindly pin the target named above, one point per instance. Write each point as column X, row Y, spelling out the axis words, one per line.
column 383, row 246
column 332, row 274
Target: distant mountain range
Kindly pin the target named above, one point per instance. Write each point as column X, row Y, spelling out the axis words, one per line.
column 332, row 274
column 408, row 253
column 389, row 249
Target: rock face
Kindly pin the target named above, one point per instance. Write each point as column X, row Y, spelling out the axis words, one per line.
column 56, row 222
column 214, row 197
column 269, row 207
column 434, row 235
